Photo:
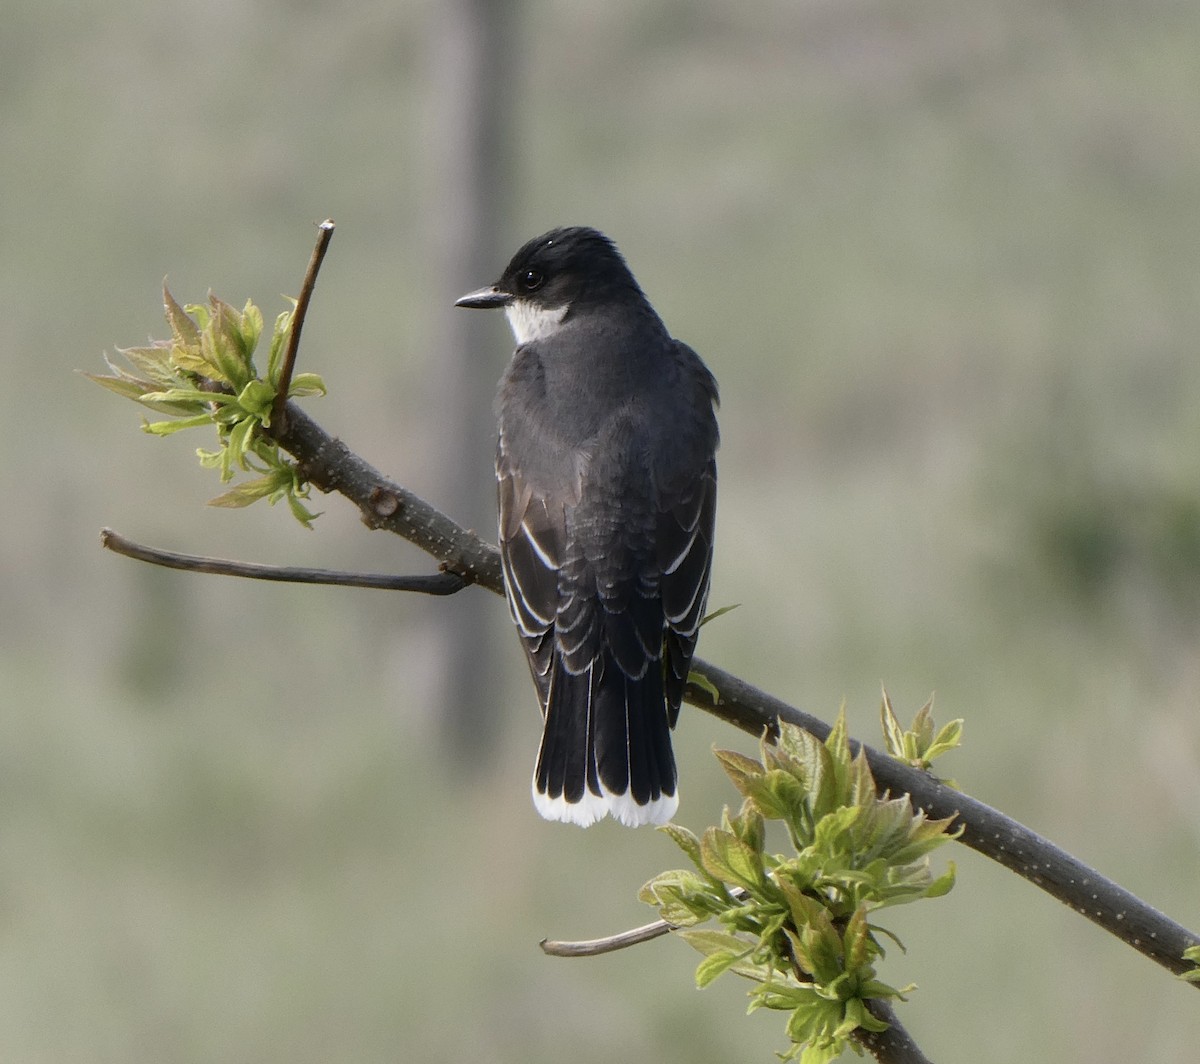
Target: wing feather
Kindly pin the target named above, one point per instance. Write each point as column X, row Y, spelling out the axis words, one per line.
column 685, row 547
column 532, row 539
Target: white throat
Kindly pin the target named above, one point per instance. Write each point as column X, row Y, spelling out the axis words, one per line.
column 529, row 321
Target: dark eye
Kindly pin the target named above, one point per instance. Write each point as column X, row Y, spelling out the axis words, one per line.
column 531, row 280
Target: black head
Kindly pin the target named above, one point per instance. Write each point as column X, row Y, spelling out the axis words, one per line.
column 558, row 270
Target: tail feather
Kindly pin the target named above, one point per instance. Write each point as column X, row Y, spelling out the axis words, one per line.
column 606, row 748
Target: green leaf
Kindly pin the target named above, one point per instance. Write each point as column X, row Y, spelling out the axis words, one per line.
column 749, row 827
column 838, row 741
column 191, row 363
column 685, row 840
column 716, row 964
column 923, row 725
column 860, row 949
column 807, row 759
column 813, row 1022
column 875, row 989
column 220, row 350
column 804, row 909
column 781, row 796
column 918, row 746
column 301, row 512
column 227, row 324
column 305, row 384
column 247, row 492
column 167, row 428
column 722, row 951
column 188, row 394
column 124, row 385
column 948, row 738
column 279, row 339
column 893, row 734
column 698, row 679
column 943, row 884
column 200, row 313
column 1192, row 953
column 828, row 838
column 818, row 947
column 740, row 769
column 857, row 1016
column 824, row 796
column 257, row 397
column 682, row 898
column 860, row 781
column 775, row 993
column 241, row 436
column 920, row 837
column 153, row 361
column 718, row 613
column 251, row 327
column 183, row 329
column 140, row 390
column 729, row 859
column 777, row 794
column 821, row 1052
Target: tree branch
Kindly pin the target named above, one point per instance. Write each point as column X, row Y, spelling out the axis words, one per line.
column 433, row 584
column 331, row 466
column 325, row 234
column 465, row 558
column 597, row 947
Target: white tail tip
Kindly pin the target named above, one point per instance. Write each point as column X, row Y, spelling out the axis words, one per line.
column 593, row 807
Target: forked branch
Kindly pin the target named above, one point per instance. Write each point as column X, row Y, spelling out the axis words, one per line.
column 330, row 465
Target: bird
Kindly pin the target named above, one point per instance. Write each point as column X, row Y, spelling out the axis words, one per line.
column 606, row 482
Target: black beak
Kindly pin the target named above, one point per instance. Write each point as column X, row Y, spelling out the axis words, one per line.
column 485, row 298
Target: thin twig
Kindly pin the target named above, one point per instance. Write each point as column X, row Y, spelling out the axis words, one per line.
column 324, row 235
column 595, row 947
column 434, row 584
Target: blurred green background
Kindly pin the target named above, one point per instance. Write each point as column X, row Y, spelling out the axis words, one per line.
column 942, row 259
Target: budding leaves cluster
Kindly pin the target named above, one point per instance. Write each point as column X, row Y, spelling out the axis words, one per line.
column 205, row 375
column 920, row 744
column 800, row 925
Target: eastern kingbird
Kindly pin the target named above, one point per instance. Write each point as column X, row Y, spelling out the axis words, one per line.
column 607, row 490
